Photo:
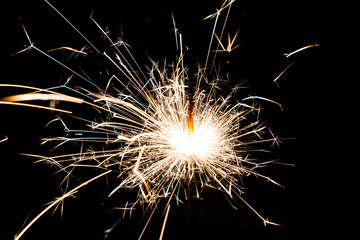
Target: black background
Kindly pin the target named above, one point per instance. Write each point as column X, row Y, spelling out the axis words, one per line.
column 316, row 202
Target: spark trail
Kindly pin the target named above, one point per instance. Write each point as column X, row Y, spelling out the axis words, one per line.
column 170, row 138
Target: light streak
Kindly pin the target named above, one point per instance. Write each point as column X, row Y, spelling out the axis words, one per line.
column 70, row 49
column 35, row 106
column 283, row 72
column 43, row 97
column 57, row 201
column 164, row 224
column 300, row 49
column 231, row 42
column 169, row 137
column 4, row 139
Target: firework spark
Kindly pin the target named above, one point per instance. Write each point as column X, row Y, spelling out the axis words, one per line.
column 172, row 137
column 300, row 49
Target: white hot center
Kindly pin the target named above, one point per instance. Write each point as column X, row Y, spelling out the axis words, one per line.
column 200, row 143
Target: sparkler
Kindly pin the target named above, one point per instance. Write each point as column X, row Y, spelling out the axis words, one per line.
column 171, row 137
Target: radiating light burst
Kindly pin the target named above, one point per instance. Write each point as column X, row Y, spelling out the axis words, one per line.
column 169, row 135
column 172, row 150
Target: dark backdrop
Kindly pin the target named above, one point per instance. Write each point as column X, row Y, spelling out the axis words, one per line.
column 316, row 202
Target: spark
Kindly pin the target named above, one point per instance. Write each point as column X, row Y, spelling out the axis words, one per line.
column 231, row 42
column 69, row 49
column 163, row 227
column 60, row 14
column 169, row 137
column 300, row 49
column 275, row 79
column 35, row 106
column 58, row 200
column 4, row 139
column 42, row 96
column 226, row 4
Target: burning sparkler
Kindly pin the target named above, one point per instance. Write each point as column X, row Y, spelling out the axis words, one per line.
column 170, row 135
